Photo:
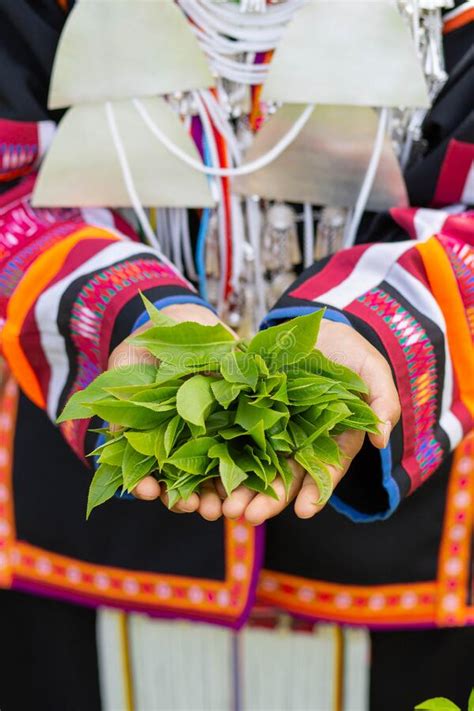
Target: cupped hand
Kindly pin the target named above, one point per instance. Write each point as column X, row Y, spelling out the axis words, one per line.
column 209, row 501
column 338, row 342
column 343, row 345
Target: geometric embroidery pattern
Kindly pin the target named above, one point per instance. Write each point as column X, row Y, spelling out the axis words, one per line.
column 421, row 364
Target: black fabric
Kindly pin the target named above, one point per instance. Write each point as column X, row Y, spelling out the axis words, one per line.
column 408, row 667
column 330, row 547
column 51, row 484
column 453, row 103
column 422, row 177
column 451, row 117
column 48, row 655
column 457, row 43
column 29, row 33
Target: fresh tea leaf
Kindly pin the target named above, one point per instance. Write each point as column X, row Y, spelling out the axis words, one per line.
column 239, row 368
column 438, row 704
column 194, row 400
column 143, row 442
column 231, row 475
column 318, row 472
column 225, row 392
column 128, row 414
column 104, row 484
column 192, row 457
column 288, row 342
column 157, row 317
column 173, row 430
column 135, row 467
column 186, row 343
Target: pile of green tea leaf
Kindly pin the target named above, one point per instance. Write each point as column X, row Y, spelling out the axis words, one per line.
column 215, row 407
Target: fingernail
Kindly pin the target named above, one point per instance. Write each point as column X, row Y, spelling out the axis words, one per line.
column 386, row 431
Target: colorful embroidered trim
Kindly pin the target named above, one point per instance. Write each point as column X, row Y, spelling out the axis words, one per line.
column 420, row 360
column 455, row 552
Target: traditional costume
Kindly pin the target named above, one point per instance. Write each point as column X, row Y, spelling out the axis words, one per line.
column 392, row 553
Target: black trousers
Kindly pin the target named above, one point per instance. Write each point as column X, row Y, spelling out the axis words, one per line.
column 48, row 661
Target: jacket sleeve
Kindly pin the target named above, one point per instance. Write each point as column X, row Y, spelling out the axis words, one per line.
column 414, row 301
column 69, row 293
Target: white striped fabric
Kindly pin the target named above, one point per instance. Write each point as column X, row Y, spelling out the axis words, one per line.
column 185, row 666
column 468, row 192
column 429, row 222
column 369, row 271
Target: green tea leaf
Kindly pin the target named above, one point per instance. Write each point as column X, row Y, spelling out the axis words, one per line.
column 225, row 392
column 257, row 433
column 298, row 434
column 187, row 343
column 78, row 406
column 239, row 368
column 470, row 702
column 254, row 483
column 113, row 452
column 248, row 415
column 192, row 457
column 194, row 400
column 318, row 472
column 318, row 363
column 288, row 342
column 104, row 484
column 128, row 414
column 325, row 422
column 232, row 433
column 135, row 467
column 326, row 449
column 219, row 420
column 143, row 442
column 196, row 430
column 438, row 704
column 157, row 317
column 160, row 448
column 283, row 468
column 231, row 475
column 173, row 430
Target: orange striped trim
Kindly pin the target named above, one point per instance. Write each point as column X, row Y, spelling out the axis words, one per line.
column 445, row 290
column 33, row 283
column 378, row 604
column 442, row 602
column 8, row 408
column 464, row 18
column 455, row 551
column 63, row 4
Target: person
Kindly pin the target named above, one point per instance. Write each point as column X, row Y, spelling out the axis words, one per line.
column 392, row 549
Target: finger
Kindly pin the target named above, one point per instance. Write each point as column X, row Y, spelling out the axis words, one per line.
column 220, row 489
column 189, row 506
column 147, row 490
column 235, row 504
column 210, row 504
column 382, row 397
column 263, row 507
column 306, row 504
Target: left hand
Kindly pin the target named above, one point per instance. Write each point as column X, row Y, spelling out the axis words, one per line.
column 344, row 345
